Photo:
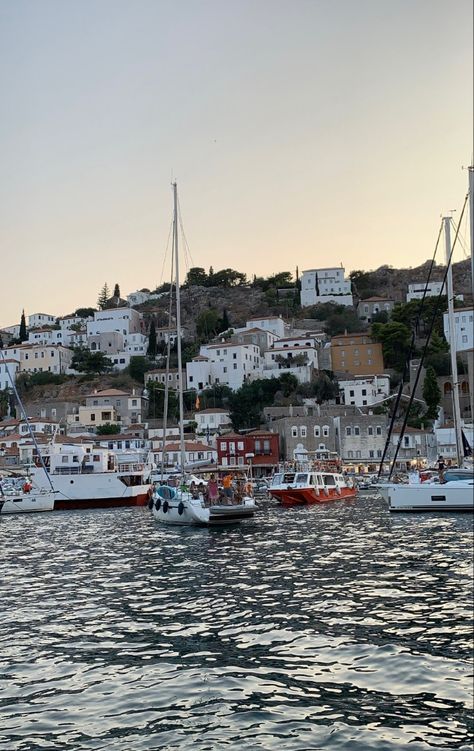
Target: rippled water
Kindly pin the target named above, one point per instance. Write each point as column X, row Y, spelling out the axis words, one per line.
column 336, row 627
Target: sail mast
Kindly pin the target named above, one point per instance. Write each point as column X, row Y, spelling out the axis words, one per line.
column 471, row 218
column 178, row 328
column 453, row 343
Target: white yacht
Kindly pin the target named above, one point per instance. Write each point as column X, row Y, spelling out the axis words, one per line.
column 456, row 493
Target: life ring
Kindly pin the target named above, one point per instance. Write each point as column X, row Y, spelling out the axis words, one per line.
column 180, row 508
column 158, row 504
column 165, row 506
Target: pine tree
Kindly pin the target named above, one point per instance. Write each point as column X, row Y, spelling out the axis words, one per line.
column 104, row 295
column 23, row 336
column 151, row 351
column 116, row 291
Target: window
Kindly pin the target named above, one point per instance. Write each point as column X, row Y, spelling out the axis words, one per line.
column 379, row 453
column 240, row 445
column 325, row 431
column 378, row 430
column 351, row 392
column 294, row 432
column 348, row 430
column 317, row 431
column 350, row 454
column 257, row 447
column 364, row 392
column 224, row 446
column 356, row 430
column 92, row 417
column 371, row 454
column 303, row 431
column 370, row 430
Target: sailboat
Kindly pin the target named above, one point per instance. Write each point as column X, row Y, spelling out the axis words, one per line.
column 29, row 497
column 453, row 490
column 180, row 505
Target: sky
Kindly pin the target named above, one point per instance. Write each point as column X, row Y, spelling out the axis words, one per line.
column 303, row 133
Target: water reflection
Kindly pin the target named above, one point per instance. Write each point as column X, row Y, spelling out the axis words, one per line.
column 339, row 627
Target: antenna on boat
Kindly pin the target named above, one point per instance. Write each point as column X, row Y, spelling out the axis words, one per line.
column 452, row 341
column 178, row 329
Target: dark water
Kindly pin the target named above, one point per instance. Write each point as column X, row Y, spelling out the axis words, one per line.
column 323, row 628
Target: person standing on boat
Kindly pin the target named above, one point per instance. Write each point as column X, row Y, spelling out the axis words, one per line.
column 227, row 484
column 441, row 468
column 212, row 489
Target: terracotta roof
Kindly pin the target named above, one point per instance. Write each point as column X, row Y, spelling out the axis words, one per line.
column 376, row 299
column 189, row 446
column 109, row 392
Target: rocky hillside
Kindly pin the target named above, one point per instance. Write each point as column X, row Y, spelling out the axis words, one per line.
column 393, row 283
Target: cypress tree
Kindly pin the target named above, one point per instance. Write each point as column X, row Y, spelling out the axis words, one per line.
column 116, row 291
column 431, row 393
column 23, row 336
column 151, row 351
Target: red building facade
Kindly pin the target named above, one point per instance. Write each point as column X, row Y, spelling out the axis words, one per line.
column 261, row 449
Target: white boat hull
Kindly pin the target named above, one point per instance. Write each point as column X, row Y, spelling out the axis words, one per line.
column 451, row 496
column 184, row 510
column 95, row 490
column 24, row 503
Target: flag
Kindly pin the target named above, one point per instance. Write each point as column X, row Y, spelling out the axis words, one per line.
column 465, row 445
column 198, row 403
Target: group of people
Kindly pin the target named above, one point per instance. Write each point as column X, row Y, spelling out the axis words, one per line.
column 232, row 491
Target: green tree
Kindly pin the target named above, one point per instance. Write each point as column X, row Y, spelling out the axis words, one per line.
column 85, row 361
column 23, row 335
column 346, row 321
column 110, row 428
column 325, row 388
column 196, row 277
column 395, row 339
column 207, row 323
column 225, row 323
column 116, row 290
column 104, row 296
column 156, row 401
column 152, row 348
column 85, row 312
column 228, row 278
column 431, row 394
column 138, row 367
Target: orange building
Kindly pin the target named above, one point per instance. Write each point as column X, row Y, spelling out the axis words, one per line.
column 357, row 354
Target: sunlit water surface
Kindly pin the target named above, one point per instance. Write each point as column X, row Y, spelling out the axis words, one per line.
column 336, row 627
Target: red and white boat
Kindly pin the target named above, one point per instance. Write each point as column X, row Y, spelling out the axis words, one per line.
column 85, row 476
column 310, row 486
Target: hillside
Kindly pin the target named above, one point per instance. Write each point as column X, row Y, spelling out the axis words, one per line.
column 393, row 283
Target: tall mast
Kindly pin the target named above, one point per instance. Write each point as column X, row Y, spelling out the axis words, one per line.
column 471, row 218
column 453, row 343
column 178, row 328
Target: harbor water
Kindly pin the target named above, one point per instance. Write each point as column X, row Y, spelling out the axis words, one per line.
column 336, row 627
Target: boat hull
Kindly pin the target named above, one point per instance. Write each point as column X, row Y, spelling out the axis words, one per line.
column 27, row 503
column 94, row 490
column 430, row 498
column 184, row 510
column 310, row 496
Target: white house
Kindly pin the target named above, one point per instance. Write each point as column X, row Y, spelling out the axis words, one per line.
column 124, row 320
column 325, row 285
column 446, row 440
column 37, row 320
column 417, row 290
column 274, row 324
column 14, row 331
column 67, row 322
column 196, row 453
column 211, row 421
column 45, row 335
column 297, row 355
column 362, row 391
column 225, row 363
column 463, row 327
column 9, row 369
column 39, row 358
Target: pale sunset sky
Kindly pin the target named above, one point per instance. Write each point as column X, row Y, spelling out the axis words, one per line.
column 301, row 133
